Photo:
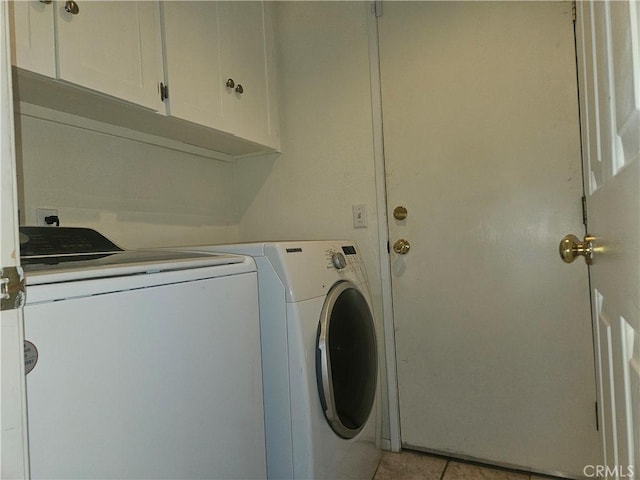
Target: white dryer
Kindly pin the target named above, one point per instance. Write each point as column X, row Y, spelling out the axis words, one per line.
column 320, row 362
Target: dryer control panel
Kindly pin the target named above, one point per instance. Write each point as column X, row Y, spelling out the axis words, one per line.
column 343, row 257
column 308, row 269
column 338, row 260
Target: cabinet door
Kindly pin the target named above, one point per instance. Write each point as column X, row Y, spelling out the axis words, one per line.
column 113, row 47
column 32, row 43
column 249, row 59
column 192, row 60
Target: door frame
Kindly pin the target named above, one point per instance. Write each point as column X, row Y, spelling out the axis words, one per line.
column 393, row 443
column 14, row 452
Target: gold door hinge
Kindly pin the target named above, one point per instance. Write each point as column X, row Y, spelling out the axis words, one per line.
column 12, row 288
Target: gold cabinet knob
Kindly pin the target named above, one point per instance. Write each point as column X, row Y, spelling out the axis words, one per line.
column 71, row 7
column 401, row 246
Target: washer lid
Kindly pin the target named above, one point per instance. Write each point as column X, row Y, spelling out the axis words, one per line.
column 62, row 254
column 55, row 269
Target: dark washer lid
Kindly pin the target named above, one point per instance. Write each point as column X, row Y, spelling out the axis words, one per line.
column 62, row 254
column 51, row 241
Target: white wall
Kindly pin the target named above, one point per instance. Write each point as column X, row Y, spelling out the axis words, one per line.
column 137, row 194
column 326, row 164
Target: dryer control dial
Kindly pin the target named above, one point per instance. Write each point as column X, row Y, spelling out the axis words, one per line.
column 338, row 260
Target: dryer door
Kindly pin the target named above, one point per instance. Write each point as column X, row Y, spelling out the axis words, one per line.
column 346, row 359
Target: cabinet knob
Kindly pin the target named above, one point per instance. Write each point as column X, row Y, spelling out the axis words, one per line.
column 239, row 89
column 71, row 7
column 230, row 83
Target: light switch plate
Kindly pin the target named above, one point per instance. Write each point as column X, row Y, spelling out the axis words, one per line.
column 359, row 216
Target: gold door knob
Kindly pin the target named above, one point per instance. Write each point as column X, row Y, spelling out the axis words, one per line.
column 571, row 248
column 401, row 246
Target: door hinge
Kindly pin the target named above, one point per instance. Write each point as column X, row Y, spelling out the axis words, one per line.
column 584, row 210
column 574, row 11
column 377, row 8
column 597, row 419
column 12, row 288
column 164, row 91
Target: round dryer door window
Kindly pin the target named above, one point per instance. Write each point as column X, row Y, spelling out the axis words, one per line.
column 346, row 359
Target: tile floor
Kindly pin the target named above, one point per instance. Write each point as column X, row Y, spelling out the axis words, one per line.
column 421, row 466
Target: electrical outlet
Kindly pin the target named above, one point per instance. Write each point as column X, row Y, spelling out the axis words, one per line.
column 42, row 213
column 359, row 216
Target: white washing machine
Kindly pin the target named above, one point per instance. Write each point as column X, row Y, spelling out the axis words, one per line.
column 320, row 362
column 140, row 364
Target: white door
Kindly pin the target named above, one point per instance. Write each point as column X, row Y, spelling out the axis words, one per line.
column 608, row 39
column 482, row 147
column 13, row 441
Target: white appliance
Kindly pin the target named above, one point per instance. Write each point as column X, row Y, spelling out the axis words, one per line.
column 319, row 358
column 141, row 364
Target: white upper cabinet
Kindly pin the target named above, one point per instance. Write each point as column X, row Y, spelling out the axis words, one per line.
column 32, row 41
column 219, row 67
column 216, row 59
column 112, row 47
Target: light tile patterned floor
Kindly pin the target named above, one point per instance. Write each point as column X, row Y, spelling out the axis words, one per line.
column 418, row 466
